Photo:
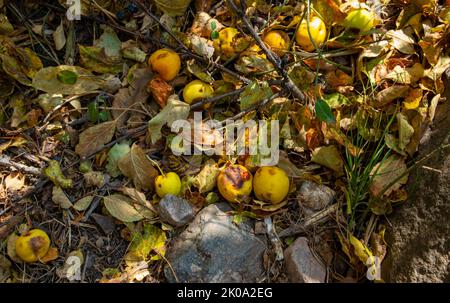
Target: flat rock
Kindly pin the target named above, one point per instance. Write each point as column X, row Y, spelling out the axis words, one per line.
column 175, row 210
column 302, row 266
column 214, row 249
column 313, row 197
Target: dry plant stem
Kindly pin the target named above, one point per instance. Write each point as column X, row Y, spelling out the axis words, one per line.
column 216, row 98
column 271, row 56
column 312, row 220
column 6, row 161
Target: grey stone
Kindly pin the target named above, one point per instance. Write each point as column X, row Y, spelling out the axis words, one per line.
column 214, row 249
column 175, row 210
column 302, row 266
column 418, row 230
column 313, row 197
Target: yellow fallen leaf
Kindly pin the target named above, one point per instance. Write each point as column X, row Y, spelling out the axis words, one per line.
column 361, row 250
column 412, row 100
column 51, row 255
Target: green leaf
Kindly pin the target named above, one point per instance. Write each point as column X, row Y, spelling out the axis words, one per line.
column 151, row 240
column 215, row 35
column 213, row 25
column 118, row 151
column 67, row 77
column 93, row 112
column 254, row 93
column 323, row 112
column 336, row 100
column 103, row 116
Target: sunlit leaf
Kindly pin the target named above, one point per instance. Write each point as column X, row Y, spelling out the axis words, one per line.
column 136, row 166
column 121, row 207
column 330, row 157
column 174, row 110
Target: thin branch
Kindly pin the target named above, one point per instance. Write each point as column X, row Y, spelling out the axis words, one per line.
column 271, row 56
column 6, row 161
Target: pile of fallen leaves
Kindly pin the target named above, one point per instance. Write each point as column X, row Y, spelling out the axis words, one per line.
column 85, row 121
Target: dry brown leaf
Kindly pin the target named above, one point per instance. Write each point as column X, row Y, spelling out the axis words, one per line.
column 389, row 94
column 136, row 166
column 387, row 172
column 121, row 207
column 51, row 255
column 15, row 181
column 130, row 97
column 160, row 90
column 95, row 137
column 60, row 198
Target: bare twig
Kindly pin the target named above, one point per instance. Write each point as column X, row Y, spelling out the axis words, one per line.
column 312, row 220
column 271, row 56
column 216, row 98
column 6, row 161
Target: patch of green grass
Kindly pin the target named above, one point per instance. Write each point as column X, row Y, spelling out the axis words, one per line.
column 359, row 166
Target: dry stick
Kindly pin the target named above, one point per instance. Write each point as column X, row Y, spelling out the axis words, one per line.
column 252, row 108
column 185, row 49
column 312, row 220
column 6, row 161
column 273, row 58
column 216, row 98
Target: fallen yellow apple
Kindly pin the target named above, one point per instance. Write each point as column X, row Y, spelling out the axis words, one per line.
column 271, row 184
column 33, row 245
column 235, row 183
column 166, row 63
column 169, row 183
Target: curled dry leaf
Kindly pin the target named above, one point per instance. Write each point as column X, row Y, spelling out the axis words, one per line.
column 206, row 180
column 389, row 94
column 94, row 138
column 136, row 166
column 160, row 90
